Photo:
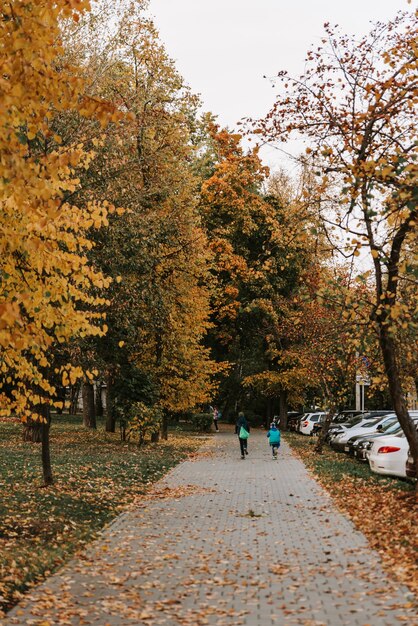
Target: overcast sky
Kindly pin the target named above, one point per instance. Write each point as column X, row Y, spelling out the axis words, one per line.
column 223, row 48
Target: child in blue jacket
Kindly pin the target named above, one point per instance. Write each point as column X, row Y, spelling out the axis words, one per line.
column 274, row 439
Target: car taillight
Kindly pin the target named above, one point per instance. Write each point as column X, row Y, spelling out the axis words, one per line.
column 386, row 449
column 305, row 424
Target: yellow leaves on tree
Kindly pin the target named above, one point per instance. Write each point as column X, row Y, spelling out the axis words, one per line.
column 45, row 277
column 157, row 251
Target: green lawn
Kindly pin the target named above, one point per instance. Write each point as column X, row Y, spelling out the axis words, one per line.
column 96, row 477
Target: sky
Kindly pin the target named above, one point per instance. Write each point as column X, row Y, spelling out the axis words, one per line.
column 224, row 48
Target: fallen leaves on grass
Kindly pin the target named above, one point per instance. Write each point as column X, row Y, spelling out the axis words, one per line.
column 96, row 477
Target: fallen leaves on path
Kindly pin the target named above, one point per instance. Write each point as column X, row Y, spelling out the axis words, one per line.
column 173, row 493
column 96, row 477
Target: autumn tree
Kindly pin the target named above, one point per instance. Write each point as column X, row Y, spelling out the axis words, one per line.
column 356, row 104
column 302, row 261
column 159, row 303
column 46, row 279
column 258, row 246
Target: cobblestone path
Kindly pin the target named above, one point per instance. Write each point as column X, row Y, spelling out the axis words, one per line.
column 225, row 542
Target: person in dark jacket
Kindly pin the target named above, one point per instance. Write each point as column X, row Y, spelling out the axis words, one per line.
column 243, row 441
column 216, row 417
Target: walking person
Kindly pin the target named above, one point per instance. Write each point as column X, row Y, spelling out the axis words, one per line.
column 274, row 439
column 242, row 429
column 216, row 415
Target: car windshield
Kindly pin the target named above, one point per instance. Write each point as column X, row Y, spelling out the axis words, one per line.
column 356, row 420
column 371, row 423
column 342, row 417
column 394, row 429
column 384, row 420
column 392, row 422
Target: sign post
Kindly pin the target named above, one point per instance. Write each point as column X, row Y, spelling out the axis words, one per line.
column 362, row 381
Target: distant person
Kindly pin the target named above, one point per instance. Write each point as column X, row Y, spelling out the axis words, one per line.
column 216, row 416
column 242, row 429
column 274, row 439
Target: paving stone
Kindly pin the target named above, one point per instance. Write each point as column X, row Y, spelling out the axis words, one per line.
column 255, row 542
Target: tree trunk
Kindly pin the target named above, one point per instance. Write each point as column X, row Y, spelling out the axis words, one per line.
column 32, row 431
column 226, row 411
column 332, row 408
column 388, row 348
column 75, row 392
column 99, row 401
column 46, row 457
column 283, row 409
column 110, row 426
column 61, row 396
column 164, row 426
column 89, row 412
column 269, row 412
column 324, row 430
column 163, row 432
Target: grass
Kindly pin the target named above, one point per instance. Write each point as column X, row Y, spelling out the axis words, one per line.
column 96, row 477
column 382, row 507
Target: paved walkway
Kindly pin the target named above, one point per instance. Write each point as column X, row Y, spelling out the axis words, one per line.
column 226, row 542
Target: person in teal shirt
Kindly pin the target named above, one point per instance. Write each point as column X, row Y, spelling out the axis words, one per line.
column 274, row 439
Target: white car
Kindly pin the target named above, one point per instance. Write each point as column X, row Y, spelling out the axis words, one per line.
column 308, row 421
column 388, row 455
column 338, row 428
column 340, row 441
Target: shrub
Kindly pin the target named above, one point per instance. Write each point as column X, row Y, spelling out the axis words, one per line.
column 145, row 421
column 202, row 421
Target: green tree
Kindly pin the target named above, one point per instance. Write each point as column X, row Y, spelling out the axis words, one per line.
column 155, row 250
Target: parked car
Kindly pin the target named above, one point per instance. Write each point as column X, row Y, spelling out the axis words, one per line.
column 362, row 446
column 308, row 421
column 317, row 427
column 338, row 429
column 410, row 467
column 299, row 420
column 344, row 418
column 355, row 420
column 387, row 428
column 292, row 419
column 339, row 442
column 346, row 415
column 388, row 455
